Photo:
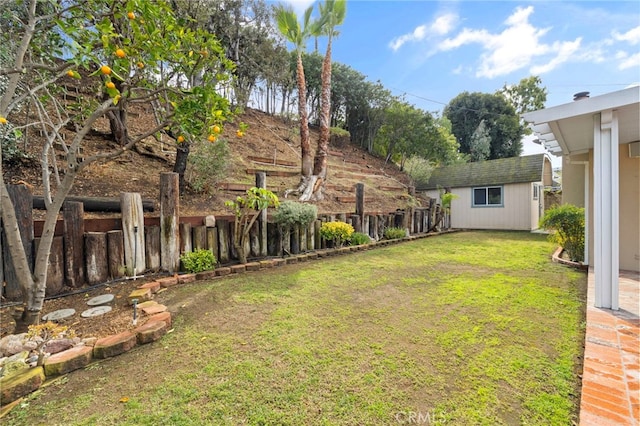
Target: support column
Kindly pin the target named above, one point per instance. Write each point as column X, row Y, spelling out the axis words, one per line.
column 606, row 220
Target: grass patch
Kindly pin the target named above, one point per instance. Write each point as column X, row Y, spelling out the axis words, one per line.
column 467, row 328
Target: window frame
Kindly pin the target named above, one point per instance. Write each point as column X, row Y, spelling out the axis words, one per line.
column 486, row 196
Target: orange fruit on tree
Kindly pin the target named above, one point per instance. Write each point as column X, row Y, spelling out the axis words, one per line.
column 212, row 138
column 70, row 73
column 180, row 139
column 3, row 120
column 131, row 15
column 140, row 65
column 110, row 85
column 120, row 53
column 105, row 70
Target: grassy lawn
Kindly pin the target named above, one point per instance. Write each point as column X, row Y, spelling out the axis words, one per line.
column 473, row 328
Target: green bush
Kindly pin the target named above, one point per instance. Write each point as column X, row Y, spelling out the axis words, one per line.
column 393, row 233
column 336, row 232
column 358, row 238
column 198, row 261
column 291, row 213
column 419, row 169
column 9, row 138
column 567, row 221
column 207, row 165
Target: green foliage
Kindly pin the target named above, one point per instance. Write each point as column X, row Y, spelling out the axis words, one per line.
column 567, row 221
column 394, row 233
column 207, row 165
column 336, row 232
column 198, row 261
column 337, row 131
column 9, row 137
column 44, row 333
column 358, row 238
column 446, row 198
column 419, row 169
column 291, row 213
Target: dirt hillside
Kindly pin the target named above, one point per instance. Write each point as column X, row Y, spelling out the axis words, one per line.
column 270, row 144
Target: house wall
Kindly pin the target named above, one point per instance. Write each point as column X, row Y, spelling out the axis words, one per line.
column 515, row 214
column 573, row 179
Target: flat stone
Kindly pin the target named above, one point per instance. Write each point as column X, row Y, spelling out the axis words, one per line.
column 150, row 331
column 100, row 300
column 162, row 316
column 141, row 294
column 266, row 264
column 186, row 278
column 155, row 309
column 147, row 304
column 205, row 275
column 236, row 269
column 210, row 221
column 21, row 384
column 291, row 260
column 95, row 311
column 221, row 272
column 59, row 315
column 154, row 286
column 58, row 345
column 252, row 266
column 279, row 262
column 114, row 345
column 69, row 360
column 13, row 367
column 168, row 281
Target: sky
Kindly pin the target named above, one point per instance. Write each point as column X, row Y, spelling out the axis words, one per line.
column 431, row 51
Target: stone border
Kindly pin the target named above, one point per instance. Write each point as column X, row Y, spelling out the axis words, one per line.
column 556, row 257
column 14, row 387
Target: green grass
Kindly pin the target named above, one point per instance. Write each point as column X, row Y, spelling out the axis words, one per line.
column 473, row 328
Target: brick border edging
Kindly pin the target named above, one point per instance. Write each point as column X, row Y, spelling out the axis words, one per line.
column 77, row 357
column 557, row 259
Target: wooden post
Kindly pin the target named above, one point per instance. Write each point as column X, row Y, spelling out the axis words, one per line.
column 255, row 239
column 223, row 239
column 341, row 217
column 133, row 232
column 115, row 250
column 95, row 244
column 303, row 238
column 169, row 213
column 73, row 233
column 199, row 237
column 22, row 202
column 55, row 269
column 311, row 237
column 212, row 242
column 319, row 243
column 360, row 202
column 295, row 239
column 261, row 182
column 152, row 247
column 286, row 239
column 186, row 245
column 356, row 222
column 365, row 224
column 274, row 242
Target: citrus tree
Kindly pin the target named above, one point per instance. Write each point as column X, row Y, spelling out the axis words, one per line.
column 126, row 53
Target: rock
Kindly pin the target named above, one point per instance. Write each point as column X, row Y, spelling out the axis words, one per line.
column 69, row 360
column 58, row 345
column 210, row 221
column 162, row 316
column 89, row 341
column 114, row 345
column 11, row 368
column 154, row 286
column 141, row 294
column 150, row 332
column 12, row 344
column 21, row 384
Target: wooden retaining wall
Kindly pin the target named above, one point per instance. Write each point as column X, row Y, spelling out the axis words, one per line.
column 93, row 251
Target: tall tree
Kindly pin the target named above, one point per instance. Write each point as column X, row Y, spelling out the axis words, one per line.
column 480, row 143
column 528, row 95
column 297, row 34
column 145, row 61
column 467, row 110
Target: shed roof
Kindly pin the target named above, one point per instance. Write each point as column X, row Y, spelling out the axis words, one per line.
column 491, row 172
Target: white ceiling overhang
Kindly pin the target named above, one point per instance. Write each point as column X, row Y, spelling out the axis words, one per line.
column 568, row 129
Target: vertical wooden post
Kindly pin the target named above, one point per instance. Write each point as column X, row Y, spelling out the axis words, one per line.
column 356, row 222
column 73, row 234
column 186, row 245
column 96, row 257
column 152, row 247
column 274, row 241
column 295, row 239
column 23, row 205
column 223, row 239
column 303, row 238
column 199, row 237
column 285, row 237
column 319, row 243
column 311, row 236
column 255, row 240
column 115, row 250
column 365, row 224
column 133, row 232
column 55, row 268
column 360, row 202
column 261, row 182
column 212, row 241
column 169, row 214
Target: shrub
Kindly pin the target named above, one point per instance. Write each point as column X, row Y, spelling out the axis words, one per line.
column 198, row 261
column 567, row 221
column 336, row 232
column 9, row 138
column 419, row 169
column 207, row 165
column 291, row 213
column 358, row 238
column 393, row 233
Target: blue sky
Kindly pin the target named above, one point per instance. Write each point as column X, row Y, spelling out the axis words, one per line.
column 431, row 51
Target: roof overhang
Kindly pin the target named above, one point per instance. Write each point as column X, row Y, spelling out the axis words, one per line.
column 569, row 128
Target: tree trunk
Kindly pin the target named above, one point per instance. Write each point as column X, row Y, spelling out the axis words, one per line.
column 169, row 213
column 182, row 153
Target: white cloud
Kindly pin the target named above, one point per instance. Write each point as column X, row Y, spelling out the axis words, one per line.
column 627, row 61
column 565, row 50
column 440, row 26
column 299, row 6
column 632, row 36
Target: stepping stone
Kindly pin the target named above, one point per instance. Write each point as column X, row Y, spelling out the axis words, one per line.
column 96, row 311
column 100, row 300
column 59, row 315
column 150, row 331
column 162, row 316
column 155, row 309
column 147, row 304
column 21, row 384
column 69, row 360
column 114, row 345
